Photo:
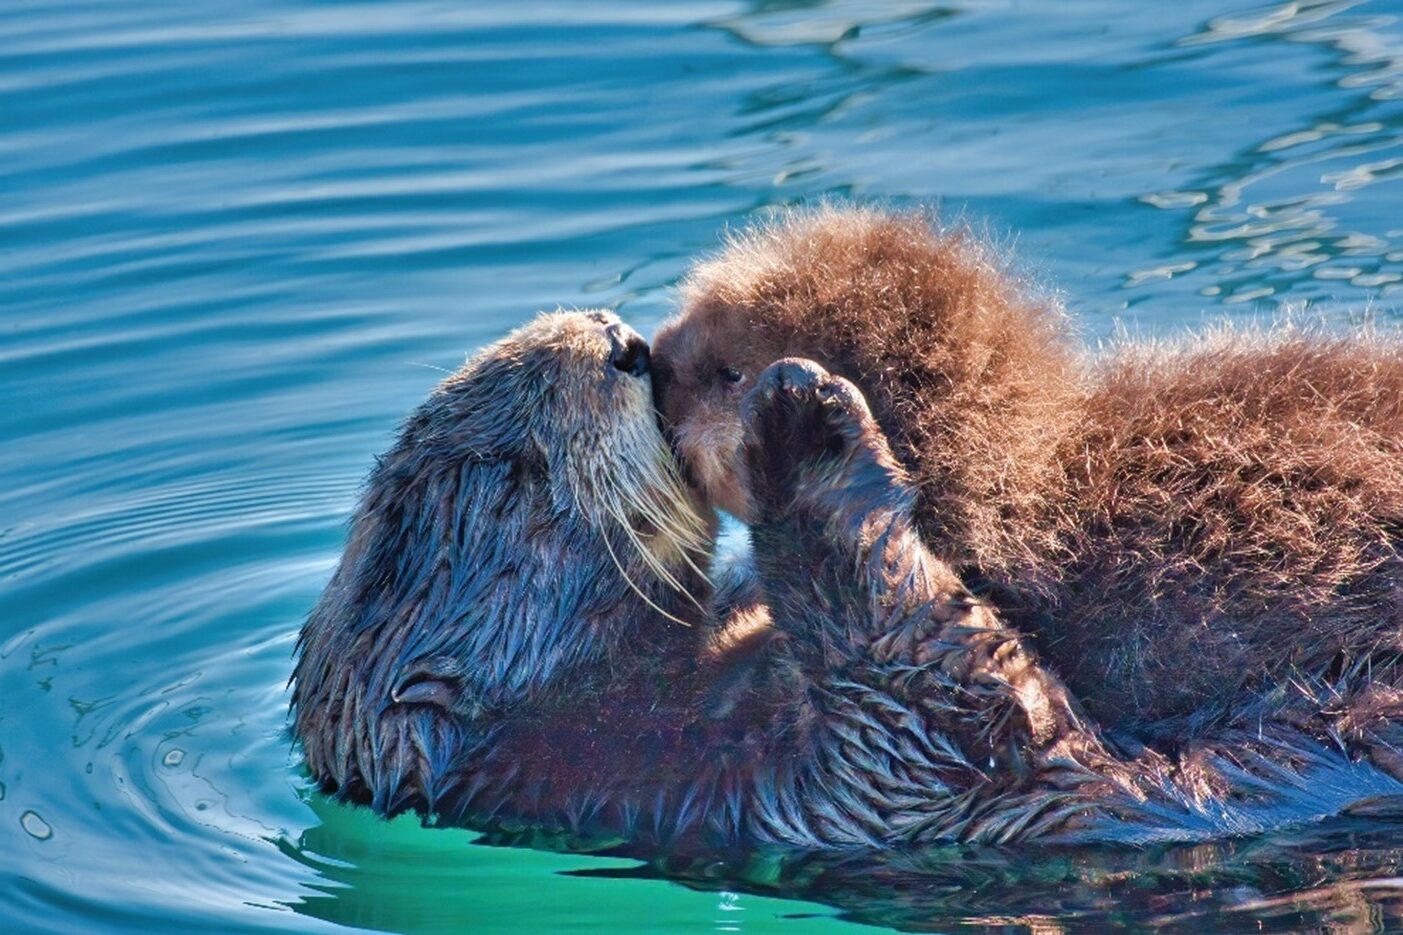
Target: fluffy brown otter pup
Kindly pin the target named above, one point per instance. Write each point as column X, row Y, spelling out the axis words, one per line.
column 502, row 645
column 1191, row 533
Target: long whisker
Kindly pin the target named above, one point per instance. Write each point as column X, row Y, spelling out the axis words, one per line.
column 665, row 508
column 652, row 561
column 415, row 363
column 643, row 488
column 665, row 521
column 686, row 541
column 676, row 513
column 629, row 581
column 648, row 558
column 664, row 502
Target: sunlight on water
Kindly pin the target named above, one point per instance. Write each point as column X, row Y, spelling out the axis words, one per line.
column 239, row 240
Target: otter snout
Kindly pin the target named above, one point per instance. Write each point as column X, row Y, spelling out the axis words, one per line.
column 630, row 352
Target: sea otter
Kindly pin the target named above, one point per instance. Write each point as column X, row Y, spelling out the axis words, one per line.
column 1193, row 534
column 504, row 644
column 527, row 531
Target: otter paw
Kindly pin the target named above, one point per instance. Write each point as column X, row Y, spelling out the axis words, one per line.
column 798, row 413
column 797, row 397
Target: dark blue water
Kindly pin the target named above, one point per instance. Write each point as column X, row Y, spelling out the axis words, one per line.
column 237, row 239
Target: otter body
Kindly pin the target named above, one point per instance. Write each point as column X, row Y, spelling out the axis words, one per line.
column 505, row 643
column 1195, row 536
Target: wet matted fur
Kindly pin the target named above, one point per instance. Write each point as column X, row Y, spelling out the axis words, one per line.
column 1191, row 531
column 923, row 716
column 525, row 544
column 496, row 650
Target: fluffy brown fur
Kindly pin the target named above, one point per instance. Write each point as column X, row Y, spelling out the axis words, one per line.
column 1232, row 518
column 1189, row 531
column 974, row 381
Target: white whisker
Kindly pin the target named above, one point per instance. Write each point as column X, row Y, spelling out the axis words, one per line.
column 415, row 363
column 643, row 492
column 629, row 581
column 654, row 563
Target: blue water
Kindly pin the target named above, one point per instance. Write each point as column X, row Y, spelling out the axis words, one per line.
column 237, row 240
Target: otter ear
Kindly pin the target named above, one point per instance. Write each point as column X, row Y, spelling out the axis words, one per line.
column 433, row 680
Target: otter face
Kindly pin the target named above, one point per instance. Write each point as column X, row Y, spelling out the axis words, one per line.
column 565, row 393
column 581, row 385
column 706, row 360
column 526, row 509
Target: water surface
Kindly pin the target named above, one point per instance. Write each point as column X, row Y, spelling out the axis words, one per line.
column 237, row 240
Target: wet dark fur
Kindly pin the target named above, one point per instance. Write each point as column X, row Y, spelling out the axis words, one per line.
column 478, row 659
column 1197, row 535
column 472, row 591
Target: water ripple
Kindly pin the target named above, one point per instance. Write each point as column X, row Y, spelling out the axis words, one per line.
column 239, row 242
column 1283, row 219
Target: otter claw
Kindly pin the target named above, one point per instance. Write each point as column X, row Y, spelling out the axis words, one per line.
column 792, row 375
column 806, row 395
column 795, row 379
column 799, row 415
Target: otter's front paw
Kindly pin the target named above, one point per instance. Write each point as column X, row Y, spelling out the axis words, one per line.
column 798, row 414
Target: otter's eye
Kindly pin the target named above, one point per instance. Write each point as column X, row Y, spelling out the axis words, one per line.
column 730, row 374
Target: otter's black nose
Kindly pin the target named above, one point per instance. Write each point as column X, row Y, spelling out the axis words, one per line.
column 632, row 356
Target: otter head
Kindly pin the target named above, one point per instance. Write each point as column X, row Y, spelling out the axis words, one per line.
column 708, row 358
column 964, row 373
column 567, row 401
column 799, row 288
column 529, row 520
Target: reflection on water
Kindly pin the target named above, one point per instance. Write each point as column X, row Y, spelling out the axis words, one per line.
column 1343, row 879
column 239, row 240
column 365, row 867
column 1294, row 206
